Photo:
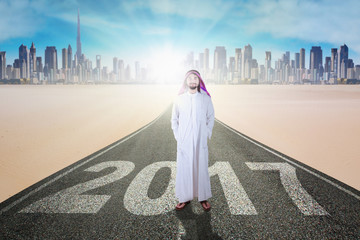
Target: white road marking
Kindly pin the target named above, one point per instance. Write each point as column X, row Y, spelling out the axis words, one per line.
column 293, row 163
column 70, row 199
column 237, row 199
column 77, row 166
column 306, row 204
column 136, row 199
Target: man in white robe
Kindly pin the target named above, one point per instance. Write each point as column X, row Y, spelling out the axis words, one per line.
column 192, row 122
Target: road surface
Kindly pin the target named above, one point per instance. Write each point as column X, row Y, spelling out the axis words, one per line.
column 126, row 190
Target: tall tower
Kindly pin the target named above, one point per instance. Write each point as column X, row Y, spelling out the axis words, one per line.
column 24, row 58
column 98, row 61
column 51, row 63
column 78, row 42
column 206, row 60
column 267, row 60
column 246, row 62
column 64, row 58
column 342, row 55
column 315, row 58
column 115, row 65
column 267, row 65
column 333, row 60
column 297, row 60
column 302, row 58
column 238, row 60
column 33, row 57
column 69, row 51
column 2, row 65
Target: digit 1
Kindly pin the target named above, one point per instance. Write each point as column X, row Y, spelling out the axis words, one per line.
column 238, row 201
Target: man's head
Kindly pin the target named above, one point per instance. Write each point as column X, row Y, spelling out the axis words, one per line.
column 192, row 80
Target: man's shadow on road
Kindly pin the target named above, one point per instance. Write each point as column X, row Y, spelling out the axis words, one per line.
column 195, row 226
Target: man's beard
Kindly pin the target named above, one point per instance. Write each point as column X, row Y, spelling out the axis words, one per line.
column 193, row 86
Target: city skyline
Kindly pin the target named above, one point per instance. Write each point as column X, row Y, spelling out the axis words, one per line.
column 132, row 29
column 241, row 68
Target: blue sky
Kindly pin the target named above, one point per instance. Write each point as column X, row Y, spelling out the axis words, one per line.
column 138, row 29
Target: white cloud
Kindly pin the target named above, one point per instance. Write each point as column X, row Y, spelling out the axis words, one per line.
column 17, row 19
column 189, row 8
column 157, row 31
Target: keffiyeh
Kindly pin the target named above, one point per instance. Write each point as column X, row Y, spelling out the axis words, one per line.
column 201, row 82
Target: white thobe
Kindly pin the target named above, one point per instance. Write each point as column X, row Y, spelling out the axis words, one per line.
column 192, row 122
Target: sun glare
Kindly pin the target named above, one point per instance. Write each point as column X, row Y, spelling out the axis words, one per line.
column 166, row 65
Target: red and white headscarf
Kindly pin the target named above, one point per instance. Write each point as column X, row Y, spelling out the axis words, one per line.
column 201, row 82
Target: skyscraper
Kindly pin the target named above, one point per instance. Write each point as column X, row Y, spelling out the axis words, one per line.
column 333, row 67
column 297, row 60
column 246, row 62
column 315, row 58
column 24, row 59
column 287, row 58
column 69, row 51
column 64, row 58
column 267, row 59
column 39, row 65
column 78, row 41
column 115, row 65
column 231, row 64
column 201, row 61
column 206, row 59
column 51, row 63
column 219, row 58
column 98, row 62
column 237, row 60
column 33, row 57
column 267, row 65
column 327, row 64
column 342, row 55
column 302, row 58
column 2, row 65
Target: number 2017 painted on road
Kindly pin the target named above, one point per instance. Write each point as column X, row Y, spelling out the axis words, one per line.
column 136, row 200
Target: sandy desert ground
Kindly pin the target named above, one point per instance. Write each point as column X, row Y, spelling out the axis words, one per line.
column 46, row 128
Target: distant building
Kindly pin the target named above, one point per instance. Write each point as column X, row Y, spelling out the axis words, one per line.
column 342, row 56
column 219, row 58
column 115, row 65
column 246, row 62
column 357, row 72
column 302, row 58
column 206, row 59
column 39, row 65
column 201, row 62
column 267, row 66
column 69, row 60
column 24, row 58
column 297, row 60
column 220, row 66
column 333, row 60
column 2, row 65
column 64, row 58
column 9, row 70
column 51, row 63
column 121, row 71
column 98, row 61
column 315, row 58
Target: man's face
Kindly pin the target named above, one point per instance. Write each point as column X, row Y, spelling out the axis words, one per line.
column 192, row 81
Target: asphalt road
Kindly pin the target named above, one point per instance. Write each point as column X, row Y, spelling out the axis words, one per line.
column 126, row 190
